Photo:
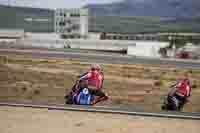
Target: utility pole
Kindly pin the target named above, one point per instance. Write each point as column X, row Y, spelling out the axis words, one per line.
column 9, row 2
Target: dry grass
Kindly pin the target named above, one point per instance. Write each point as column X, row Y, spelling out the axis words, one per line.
column 26, row 79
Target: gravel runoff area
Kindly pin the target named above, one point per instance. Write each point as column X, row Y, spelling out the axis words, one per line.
column 27, row 79
column 28, row 120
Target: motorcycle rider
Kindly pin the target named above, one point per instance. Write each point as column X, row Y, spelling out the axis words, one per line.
column 180, row 92
column 94, row 80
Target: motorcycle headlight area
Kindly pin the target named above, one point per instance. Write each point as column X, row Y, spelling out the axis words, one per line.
column 85, row 91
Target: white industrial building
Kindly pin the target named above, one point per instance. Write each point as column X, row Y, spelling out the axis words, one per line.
column 134, row 48
column 10, row 36
column 146, row 48
column 11, row 33
column 73, row 23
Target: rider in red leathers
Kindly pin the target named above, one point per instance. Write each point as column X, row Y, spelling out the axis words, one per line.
column 180, row 93
column 93, row 80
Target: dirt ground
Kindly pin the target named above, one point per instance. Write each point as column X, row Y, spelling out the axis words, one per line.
column 27, row 120
column 39, row 80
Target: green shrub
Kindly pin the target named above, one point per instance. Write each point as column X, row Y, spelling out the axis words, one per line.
column 36, row 92
column 159, row 83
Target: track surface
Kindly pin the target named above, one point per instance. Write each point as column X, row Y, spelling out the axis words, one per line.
column 101, row 109
column 32, row 120
column 118, row 59
column 103, row 58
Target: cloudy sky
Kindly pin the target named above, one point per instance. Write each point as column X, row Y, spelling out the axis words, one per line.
column 54, row 3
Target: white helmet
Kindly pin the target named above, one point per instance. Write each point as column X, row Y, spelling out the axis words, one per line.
column 96, row 67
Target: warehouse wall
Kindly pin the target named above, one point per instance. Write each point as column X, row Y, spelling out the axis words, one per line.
column 146, row 48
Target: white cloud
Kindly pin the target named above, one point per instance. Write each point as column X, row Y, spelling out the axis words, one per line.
column 101, row 1
column 54, row 3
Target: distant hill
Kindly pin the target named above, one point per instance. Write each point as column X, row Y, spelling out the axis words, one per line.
column 123, row 24
column 144, row 16
column 17, row 18
column 159, row 8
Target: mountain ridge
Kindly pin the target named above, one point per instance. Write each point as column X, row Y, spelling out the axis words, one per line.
column 159, row 8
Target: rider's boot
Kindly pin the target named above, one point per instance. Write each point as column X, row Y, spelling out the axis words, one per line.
column 99, row 99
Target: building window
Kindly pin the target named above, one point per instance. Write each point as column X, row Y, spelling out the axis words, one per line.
column 109, row 37
column 69, row 22
column 75, row 27
column 69, row 30
column 74, row 15
column 62, row 23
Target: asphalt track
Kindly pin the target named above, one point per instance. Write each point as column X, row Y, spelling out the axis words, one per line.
column 101, row 109
column 103, row 58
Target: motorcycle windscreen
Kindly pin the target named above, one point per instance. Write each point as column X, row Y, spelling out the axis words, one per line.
column 84, row 99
